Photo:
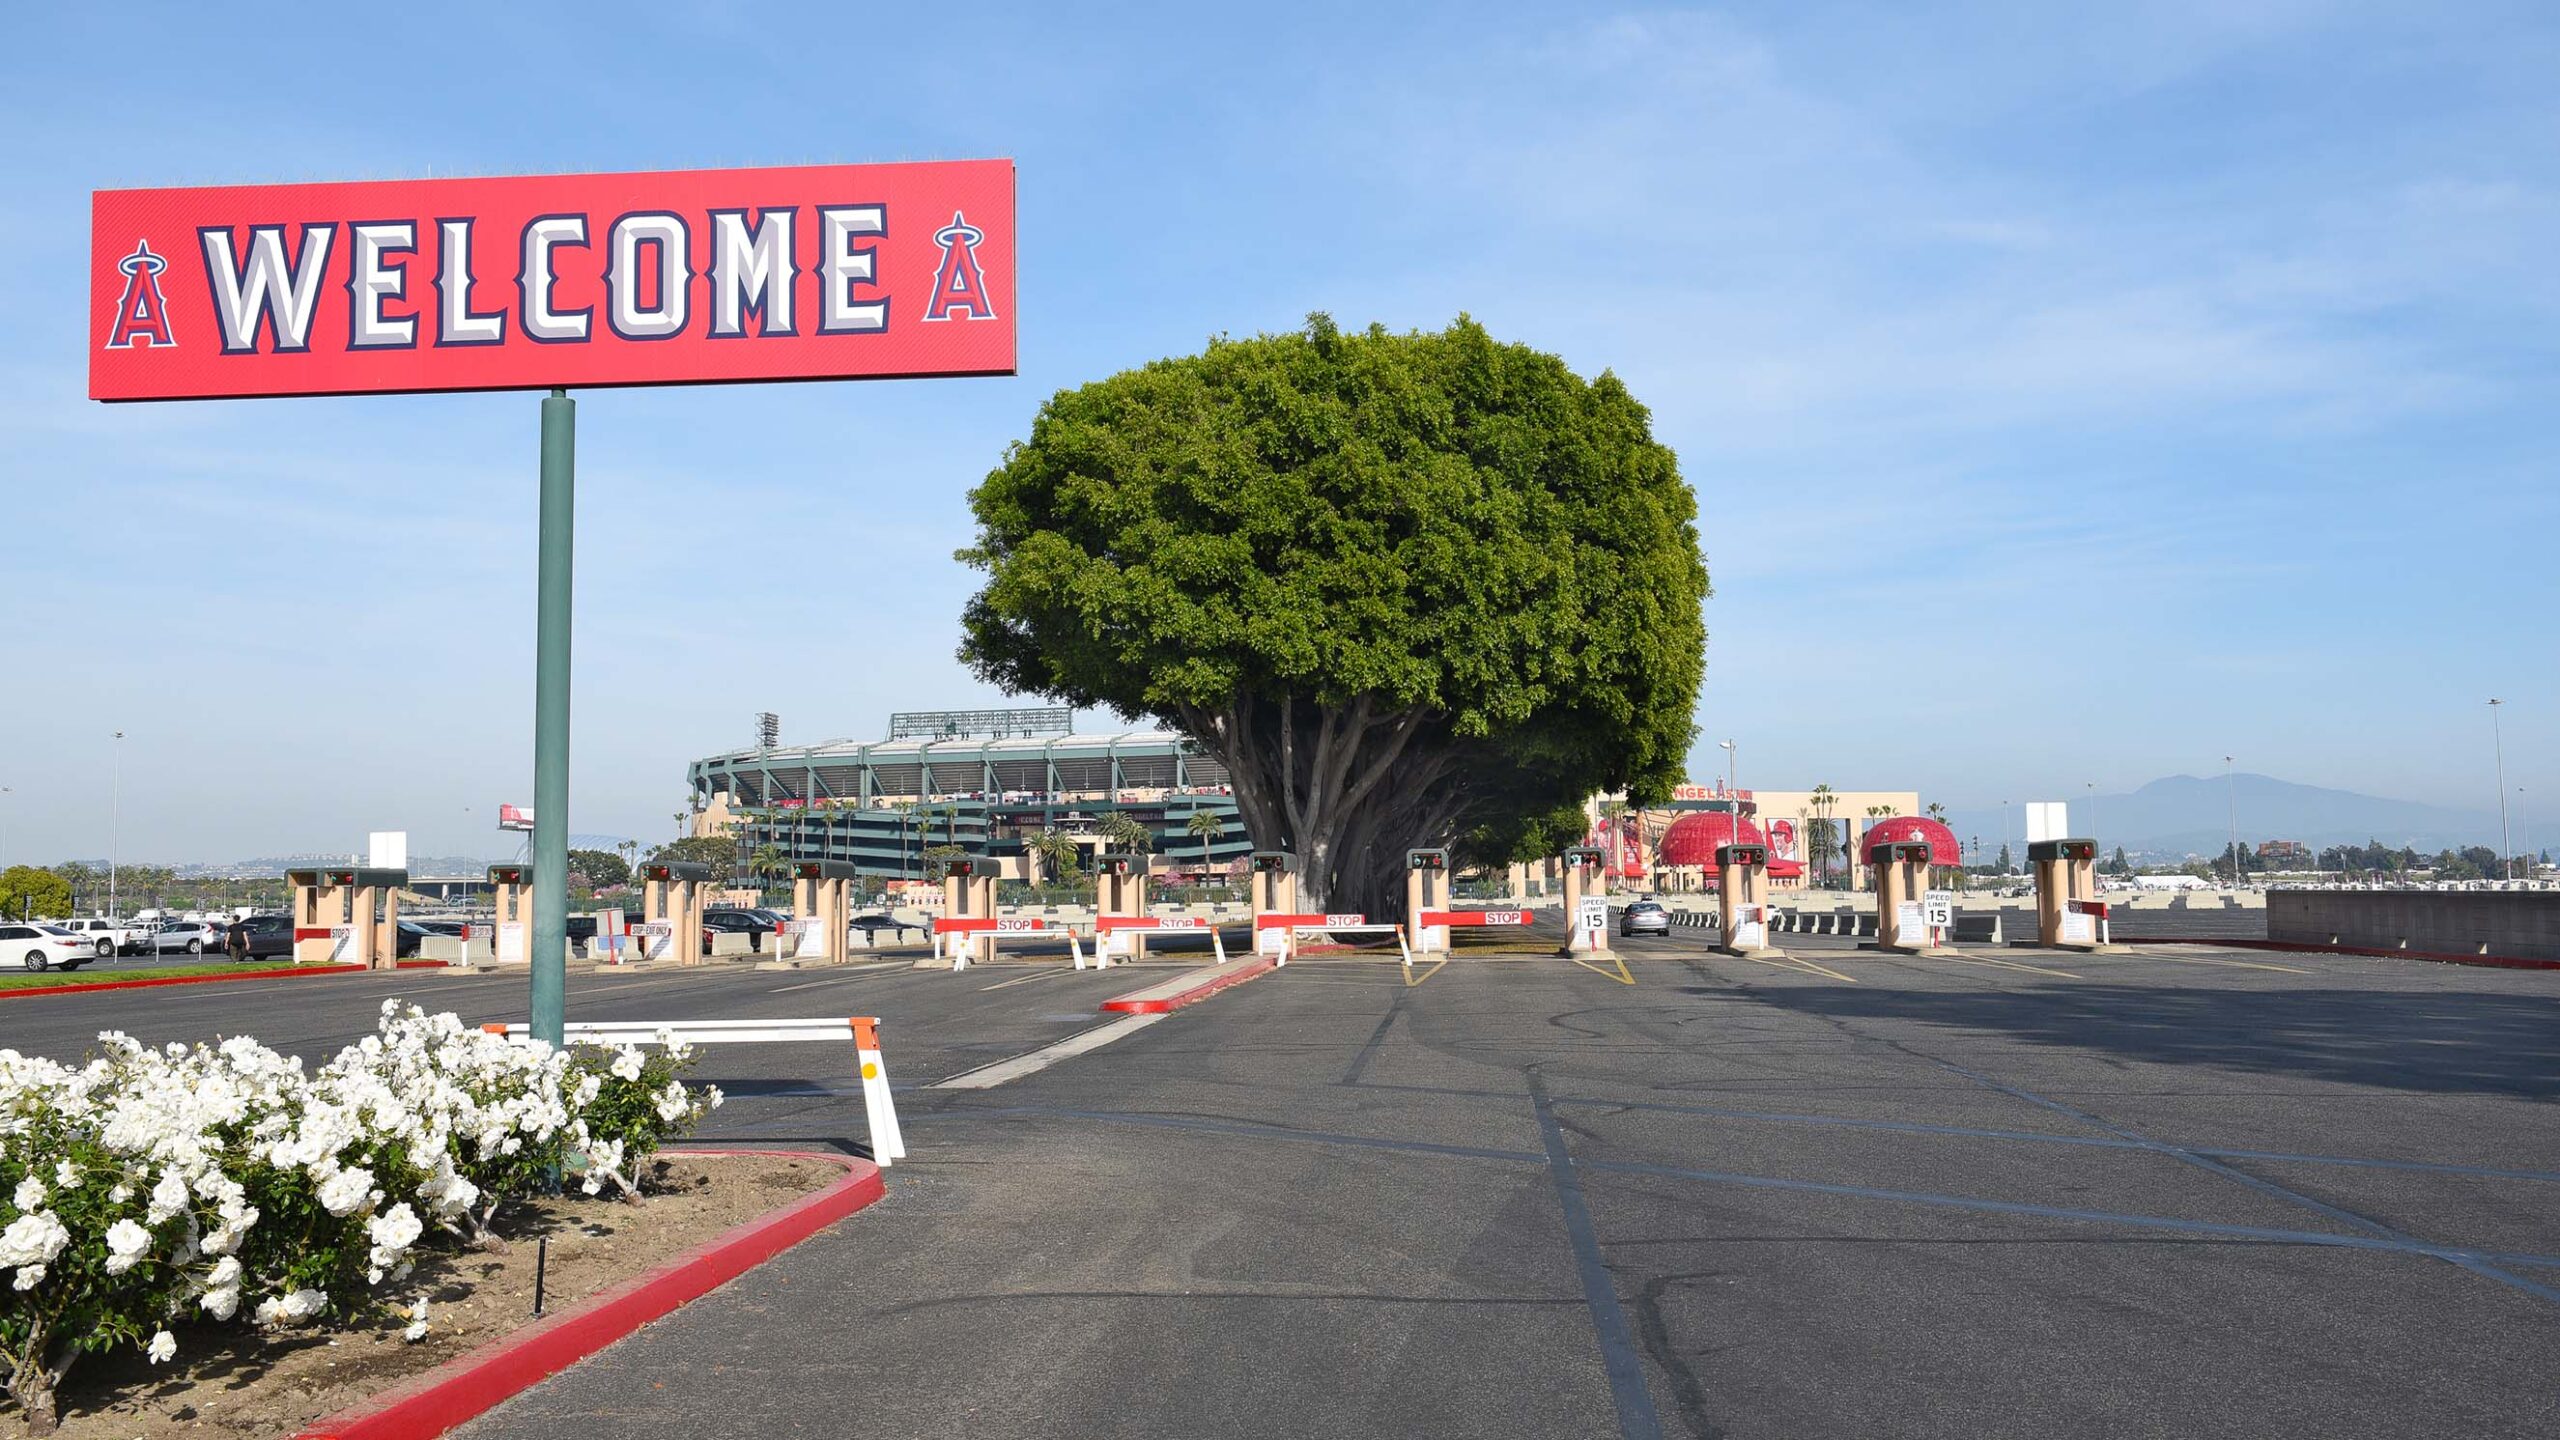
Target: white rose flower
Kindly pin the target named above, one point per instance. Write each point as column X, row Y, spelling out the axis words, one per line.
column 126, row 1243
column 346, row 1192
column 32, row 1240
column 224, row 1302
column 226, row 1272
column 31, row 1194
column 65, row 1173
column 397, row 1228
column 626, row 1066
column 163, row 1346
column 168, row 1197
column 30, row 1276
column 303, row 1304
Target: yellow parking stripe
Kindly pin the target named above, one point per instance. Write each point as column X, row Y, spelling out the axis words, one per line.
column 1792, row 963
column 2011, row 965
column 1411, row 979
column 1622, row 976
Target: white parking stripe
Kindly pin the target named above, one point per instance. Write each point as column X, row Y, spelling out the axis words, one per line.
column 987, row 1077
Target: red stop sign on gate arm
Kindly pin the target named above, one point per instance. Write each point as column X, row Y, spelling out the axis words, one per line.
column 828, row 272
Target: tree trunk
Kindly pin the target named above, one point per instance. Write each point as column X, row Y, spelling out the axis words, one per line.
column 1346, row 789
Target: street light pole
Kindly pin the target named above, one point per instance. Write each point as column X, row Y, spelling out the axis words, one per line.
column 5, row 793
column 2506, row 838
column 2231, row 795
column 115, row 822
column 2008, row 863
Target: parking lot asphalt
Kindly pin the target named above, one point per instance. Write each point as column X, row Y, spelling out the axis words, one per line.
column 2186, row 1192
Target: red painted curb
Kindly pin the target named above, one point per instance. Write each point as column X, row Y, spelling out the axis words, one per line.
column 2493, row 962
column 91, row 987
column 1138, row 1002
column 475, row 1383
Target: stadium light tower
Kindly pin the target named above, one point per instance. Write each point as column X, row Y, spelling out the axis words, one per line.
column 2506, row 838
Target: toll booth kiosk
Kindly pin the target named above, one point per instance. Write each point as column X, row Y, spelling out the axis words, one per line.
column 822, row 902
column 1902, row 880
column 347, row 916
column 1426, row 887
column 1586, row 899
column 1120, row 892
column 2068, row 913
column 511, row 898
column 969, row 893
column 1274, row 878
column 671, row 901
column 1742, row 900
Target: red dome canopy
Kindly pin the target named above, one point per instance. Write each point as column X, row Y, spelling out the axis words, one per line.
column 1943, row 849
column 1693, row 838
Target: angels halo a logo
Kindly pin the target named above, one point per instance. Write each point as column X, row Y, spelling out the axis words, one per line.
column 957, row 282
column 141, row 315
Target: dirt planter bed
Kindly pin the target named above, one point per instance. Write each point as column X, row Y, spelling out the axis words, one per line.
column 611, row 1268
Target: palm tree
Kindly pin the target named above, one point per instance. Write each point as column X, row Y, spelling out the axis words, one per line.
column 1208, row 825
column 1615, row 813
column 1820, row 845
column 1937, row 812
column 767, row 863
column 905, row 811
column 1057, row 851
column 1128, row 832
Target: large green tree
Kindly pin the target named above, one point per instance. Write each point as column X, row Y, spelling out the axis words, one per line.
column 603, row 868
column 720, row 852
column 29, row 893
column 1406, row 588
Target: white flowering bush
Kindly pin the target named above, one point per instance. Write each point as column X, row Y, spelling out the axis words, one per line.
column 629, row 1102
column 151, row 1188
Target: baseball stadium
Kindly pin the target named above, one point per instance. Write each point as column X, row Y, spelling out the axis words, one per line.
column 986, row 781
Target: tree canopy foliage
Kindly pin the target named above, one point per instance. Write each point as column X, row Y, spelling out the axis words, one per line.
column 720, row 852
column 27, row 892
column 603, row 869
column 1407, row 588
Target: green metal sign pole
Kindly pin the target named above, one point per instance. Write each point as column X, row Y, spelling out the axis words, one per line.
column 550, row 951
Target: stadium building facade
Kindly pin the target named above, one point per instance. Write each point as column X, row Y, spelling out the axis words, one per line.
column 987, row 781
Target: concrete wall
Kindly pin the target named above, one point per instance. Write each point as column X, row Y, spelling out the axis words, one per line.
column 2522, row 924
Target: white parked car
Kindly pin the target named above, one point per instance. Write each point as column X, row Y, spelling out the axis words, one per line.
column 195, row 937
column 41, row 947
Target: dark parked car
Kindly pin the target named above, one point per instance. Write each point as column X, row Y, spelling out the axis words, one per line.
column 1644, row 917
column 259, row 937
column 267, row 937
column 749, row 923
column 871, row 926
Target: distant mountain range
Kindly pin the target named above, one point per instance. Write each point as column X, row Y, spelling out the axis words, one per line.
column 2187, row 814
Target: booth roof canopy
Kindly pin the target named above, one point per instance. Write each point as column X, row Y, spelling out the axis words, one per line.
column 1693, row 838
column 1943, row 849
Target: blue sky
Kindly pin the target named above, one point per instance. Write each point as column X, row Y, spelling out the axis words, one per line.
column 2179, row 377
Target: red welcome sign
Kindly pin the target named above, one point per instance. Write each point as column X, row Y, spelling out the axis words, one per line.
column 828, row 272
